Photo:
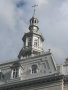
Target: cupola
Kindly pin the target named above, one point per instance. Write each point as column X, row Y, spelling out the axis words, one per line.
column 33, row 40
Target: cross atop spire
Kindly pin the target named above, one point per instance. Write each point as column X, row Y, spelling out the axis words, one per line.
column 34, row 6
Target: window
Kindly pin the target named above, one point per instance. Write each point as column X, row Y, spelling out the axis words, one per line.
column 1, row 75
column 35, row 21
column 32, row 21
column 34, row 68
column 36, row 42
column 29, row 41
column 47, row 64
column 15, row 73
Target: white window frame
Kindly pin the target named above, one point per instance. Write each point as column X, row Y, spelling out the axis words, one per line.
column 15, row 72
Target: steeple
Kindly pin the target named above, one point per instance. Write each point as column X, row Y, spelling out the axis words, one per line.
column 32, row 40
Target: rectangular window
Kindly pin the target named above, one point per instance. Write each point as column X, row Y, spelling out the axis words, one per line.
column 36, row 43
column 34, row 68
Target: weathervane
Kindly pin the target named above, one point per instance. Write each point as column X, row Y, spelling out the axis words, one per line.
column 34, row 8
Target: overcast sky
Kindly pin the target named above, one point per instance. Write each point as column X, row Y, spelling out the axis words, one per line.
column 53, row 24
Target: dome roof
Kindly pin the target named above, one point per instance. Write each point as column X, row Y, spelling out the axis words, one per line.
column 34, row 19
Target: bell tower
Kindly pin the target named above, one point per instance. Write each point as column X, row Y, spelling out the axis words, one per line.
column 32, row 40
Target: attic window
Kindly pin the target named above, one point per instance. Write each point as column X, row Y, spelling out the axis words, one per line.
column 34, row 68
column 15, row 72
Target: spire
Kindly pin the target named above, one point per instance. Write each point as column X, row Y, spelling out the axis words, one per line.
column 34, row 6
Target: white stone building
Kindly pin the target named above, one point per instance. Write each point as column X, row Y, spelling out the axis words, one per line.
column 35, row 69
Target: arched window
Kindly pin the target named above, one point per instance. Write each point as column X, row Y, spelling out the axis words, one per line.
column 34, row 68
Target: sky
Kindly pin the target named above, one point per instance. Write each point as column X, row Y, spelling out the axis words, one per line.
column 53, row 24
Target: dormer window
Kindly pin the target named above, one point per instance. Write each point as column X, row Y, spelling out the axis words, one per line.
column 15, row 70
column 34, row 68
column 15, row 73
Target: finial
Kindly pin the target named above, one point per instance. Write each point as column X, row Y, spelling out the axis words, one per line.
column 34, row 9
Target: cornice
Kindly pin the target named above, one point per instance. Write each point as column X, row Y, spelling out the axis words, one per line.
column 40, row 80
column 19, row 60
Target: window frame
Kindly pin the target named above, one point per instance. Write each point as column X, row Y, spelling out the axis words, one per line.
column 15, row 72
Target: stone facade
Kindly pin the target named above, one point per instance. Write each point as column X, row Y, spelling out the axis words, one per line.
column 48, row 75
